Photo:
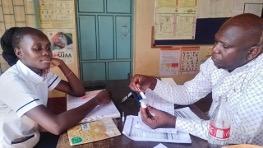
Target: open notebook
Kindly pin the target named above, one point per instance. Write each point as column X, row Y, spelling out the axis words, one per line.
column 100, row 112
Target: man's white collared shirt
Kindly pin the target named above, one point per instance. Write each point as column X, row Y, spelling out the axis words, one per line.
column 243, row 88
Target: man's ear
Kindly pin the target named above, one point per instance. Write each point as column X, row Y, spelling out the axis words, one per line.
column 253, row 52
column 18, row 52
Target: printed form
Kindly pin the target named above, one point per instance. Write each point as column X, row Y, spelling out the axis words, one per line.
column 136, row 130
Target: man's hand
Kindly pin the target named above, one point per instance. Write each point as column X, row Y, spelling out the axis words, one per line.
column 103, row 97
column 156, row 119
column 141, row 83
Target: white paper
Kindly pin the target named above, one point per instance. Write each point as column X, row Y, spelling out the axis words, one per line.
column 186, row 113
column 182, row 112
column 254, row 8
column 100, row 112
column 169, row 62
column 141, row 124
column 133, row 130
column 160, row 146
column 136, row 130
column 152, row 99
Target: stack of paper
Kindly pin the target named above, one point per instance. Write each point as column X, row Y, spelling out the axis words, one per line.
column 100, row 112
column 93, row 131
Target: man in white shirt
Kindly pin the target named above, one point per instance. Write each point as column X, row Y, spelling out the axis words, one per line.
column 234, row 71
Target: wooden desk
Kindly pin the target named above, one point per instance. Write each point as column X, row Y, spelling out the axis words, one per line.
column 122, row 141
column 129, row 107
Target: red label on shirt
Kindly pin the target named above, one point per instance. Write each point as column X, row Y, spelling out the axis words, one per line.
column 219, row 133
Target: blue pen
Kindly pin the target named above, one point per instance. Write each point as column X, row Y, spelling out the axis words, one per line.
column 136, row 96
column 140, row 98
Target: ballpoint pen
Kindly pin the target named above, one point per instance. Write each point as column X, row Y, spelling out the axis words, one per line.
column 135, row 95
column 140, row 91
column 126, row 97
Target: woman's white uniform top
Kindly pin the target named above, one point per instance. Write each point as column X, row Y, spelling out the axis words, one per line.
column 21, row 90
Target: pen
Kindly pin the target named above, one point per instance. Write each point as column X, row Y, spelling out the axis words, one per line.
column 136, row 95
column 140, row 91
column 141, row 98
column 126, row 97
column 122, row 117
column 142, row 95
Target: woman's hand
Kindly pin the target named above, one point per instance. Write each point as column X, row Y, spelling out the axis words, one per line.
column 103, row 97
column 72, row 85
column 141, row 83
column 155, row 118
column 56, row 62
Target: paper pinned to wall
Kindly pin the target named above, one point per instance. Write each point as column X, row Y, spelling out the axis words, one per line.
column 182, row 59
column 255, row 8
column 213, row 8
column 56, row 14
column 189, row 62
column 175, row 19
column 169, row 62
column 61, row 45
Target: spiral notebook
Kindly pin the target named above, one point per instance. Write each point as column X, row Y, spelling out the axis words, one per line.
column 100, row 112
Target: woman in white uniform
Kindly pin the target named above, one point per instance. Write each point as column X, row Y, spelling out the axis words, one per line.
column 24, row 90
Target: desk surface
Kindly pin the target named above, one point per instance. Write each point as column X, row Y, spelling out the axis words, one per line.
column 129, row 107
column 124, row 142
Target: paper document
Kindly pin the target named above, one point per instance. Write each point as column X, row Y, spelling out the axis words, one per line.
column 100, row 112
column 133, row 130
column 136, row 130
column 152, row 99
column 186, row 113
column 146, row 127
column 160, row 146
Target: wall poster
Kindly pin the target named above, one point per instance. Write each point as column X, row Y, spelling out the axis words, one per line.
column 175, row 19
column 181, row 60
column 169, row 62
column 56, row 13
column 61, row 45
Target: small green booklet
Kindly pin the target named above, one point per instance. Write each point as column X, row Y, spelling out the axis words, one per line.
column 93, row 131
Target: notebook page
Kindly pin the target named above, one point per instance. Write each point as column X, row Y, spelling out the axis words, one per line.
column 100, row 112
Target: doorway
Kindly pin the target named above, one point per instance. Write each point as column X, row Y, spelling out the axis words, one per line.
column 104, row 39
